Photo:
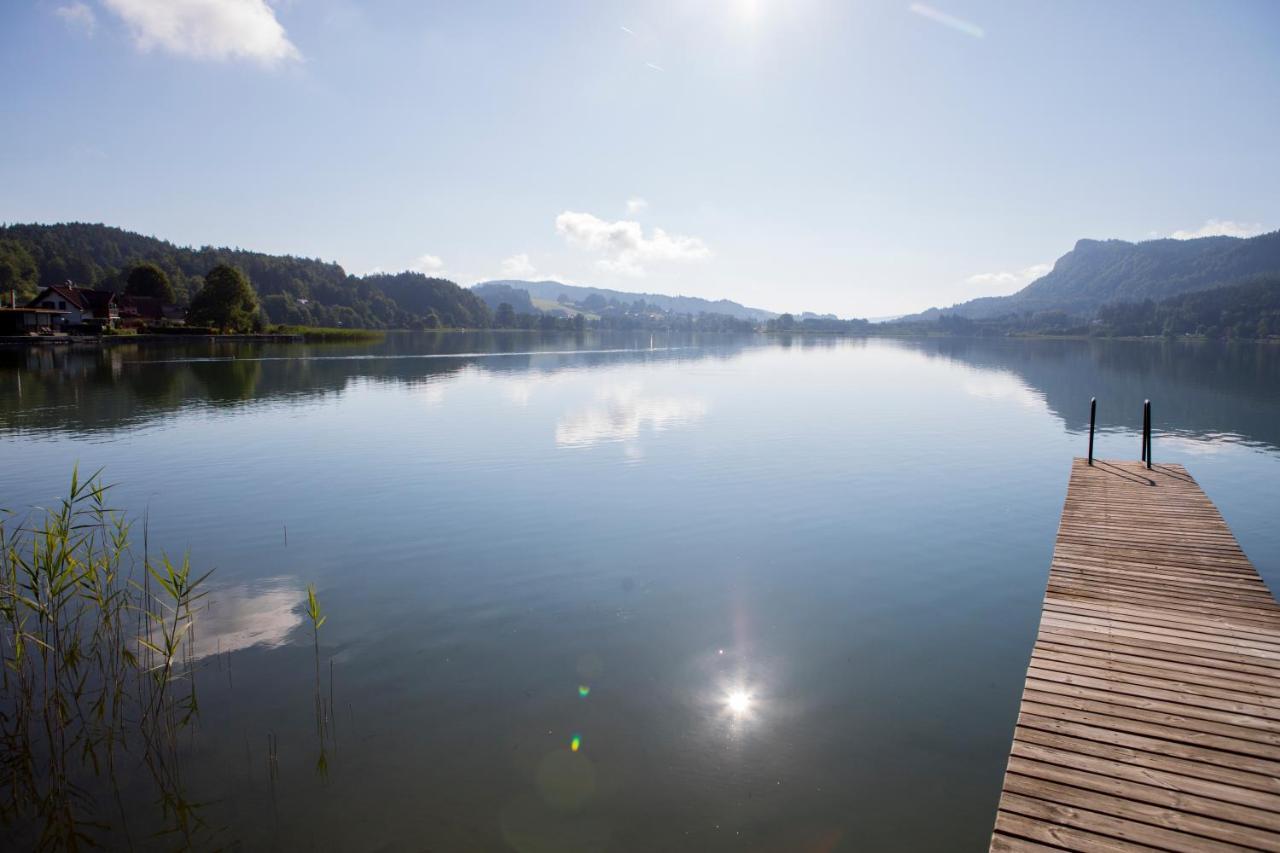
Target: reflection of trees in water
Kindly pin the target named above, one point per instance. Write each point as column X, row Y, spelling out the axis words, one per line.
column 86, row 389
column 228, row 381
column 1204, row 389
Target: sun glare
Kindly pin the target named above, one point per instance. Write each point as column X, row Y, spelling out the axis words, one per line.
column 739, row 701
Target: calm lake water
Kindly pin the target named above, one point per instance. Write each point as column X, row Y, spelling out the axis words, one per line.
column 782, row 592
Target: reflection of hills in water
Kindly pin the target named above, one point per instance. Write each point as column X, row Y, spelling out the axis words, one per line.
column 1204, row 390
column 90, row 389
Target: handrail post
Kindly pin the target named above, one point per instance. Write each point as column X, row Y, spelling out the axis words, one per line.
column 1146, row 420
column 1093, row 416
column 1143, row 455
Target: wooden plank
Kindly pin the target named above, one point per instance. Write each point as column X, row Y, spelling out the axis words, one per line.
column 1137, row 751
column 1150, row 718
column 1142, row 832
column 1136, row 782
column 1106, row 796
column 1014, row 826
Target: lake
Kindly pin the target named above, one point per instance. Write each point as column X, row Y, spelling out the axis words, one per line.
column 620, row 592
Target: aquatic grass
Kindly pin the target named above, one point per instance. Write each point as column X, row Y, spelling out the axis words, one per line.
column 324, row 335
column 92, row 660
column 97, row 676
column 323, row 709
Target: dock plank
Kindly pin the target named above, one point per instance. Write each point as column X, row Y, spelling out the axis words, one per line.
column 1150, row 717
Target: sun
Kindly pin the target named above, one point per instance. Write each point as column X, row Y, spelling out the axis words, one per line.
column 739, row 701
column 748, row 11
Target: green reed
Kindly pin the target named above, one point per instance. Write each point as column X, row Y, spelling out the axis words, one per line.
column 97, row 662
column 326, row 335
column 97, row 677
column 323, row 709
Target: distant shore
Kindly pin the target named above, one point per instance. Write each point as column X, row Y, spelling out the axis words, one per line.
column 1023, row 336
column 101, row 340
column 280, row 335
column 324, row 335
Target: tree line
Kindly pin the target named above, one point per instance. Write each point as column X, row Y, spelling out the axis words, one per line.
column 293, row 290
column 1247, row 310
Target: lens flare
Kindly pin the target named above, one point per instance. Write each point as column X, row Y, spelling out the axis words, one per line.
column 584, row 691
column 576, row 743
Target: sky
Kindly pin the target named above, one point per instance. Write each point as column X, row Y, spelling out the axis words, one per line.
column 860, row 158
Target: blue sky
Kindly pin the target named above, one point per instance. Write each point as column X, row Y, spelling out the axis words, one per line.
column 863, row 158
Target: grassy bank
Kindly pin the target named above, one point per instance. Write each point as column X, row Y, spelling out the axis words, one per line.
column 327, row 335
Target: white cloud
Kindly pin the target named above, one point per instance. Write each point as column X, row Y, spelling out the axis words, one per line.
column 636, row 204
column 79, row 16
column 1009, row 281
column 208, row 29
column 625, row 247
column 940, row 17
column 1221, row 228
column 428, row 264
column 518, row 266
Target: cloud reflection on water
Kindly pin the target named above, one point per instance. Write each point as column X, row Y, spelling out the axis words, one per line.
column 1003, row 386
column 242, row 616
column 621, row 413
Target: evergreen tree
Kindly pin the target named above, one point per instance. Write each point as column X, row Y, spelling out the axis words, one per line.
column 505, row 316
column 18, row 270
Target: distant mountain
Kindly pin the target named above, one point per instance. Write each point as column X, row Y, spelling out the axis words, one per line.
column 551, row 290
column 1104, row 272
column 494, row 293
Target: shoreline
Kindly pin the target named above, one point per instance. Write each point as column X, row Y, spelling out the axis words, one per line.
column 102, row 340
column 317, row 336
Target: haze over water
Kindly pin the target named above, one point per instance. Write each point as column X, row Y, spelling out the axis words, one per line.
column 622, row 592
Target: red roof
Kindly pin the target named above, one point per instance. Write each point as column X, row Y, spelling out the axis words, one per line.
column 142, row 307
column 96, row 302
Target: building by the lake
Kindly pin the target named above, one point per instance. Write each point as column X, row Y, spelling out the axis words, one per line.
column 92, row 310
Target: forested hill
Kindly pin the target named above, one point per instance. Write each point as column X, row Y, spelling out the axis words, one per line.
column 552, row 290
column 1103, row 272
column 296, row 290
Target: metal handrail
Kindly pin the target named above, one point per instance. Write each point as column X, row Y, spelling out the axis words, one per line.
column 1146, row 432
column 1146, row 429
column 1093, row 417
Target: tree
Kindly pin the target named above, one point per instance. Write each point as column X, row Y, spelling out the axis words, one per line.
column 505, row 316
column 226, row 301
column 149, row 280
column 83, row 272
column 54, row 271
column 17, row 270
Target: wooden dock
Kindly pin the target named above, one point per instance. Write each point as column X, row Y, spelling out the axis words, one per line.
column 1150, row 718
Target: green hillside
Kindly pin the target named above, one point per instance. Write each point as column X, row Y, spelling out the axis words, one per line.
column 294, row 290
column 1103, row 272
